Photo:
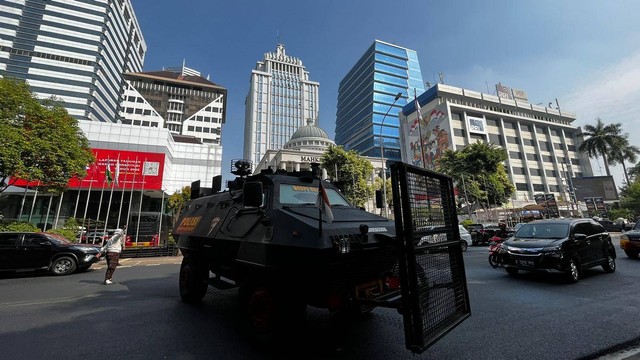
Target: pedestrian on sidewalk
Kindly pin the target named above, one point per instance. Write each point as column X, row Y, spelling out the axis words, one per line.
column 113, row 247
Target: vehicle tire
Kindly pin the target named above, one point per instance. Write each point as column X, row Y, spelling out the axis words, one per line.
column 631, row 254
column 464, row 245
column 193, row 280
column 512, row 271
column 610, row 265
column 574, row 271
column 493, row 261
column 63, row 265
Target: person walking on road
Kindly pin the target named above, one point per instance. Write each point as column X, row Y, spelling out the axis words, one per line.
column 113, row 247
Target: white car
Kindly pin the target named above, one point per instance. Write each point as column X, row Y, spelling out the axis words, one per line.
column 464, row 236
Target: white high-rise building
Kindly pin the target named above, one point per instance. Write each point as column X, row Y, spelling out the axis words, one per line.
column 75, row 50
column 281, row 99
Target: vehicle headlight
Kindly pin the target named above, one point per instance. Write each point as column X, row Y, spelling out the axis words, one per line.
column 552, row 250
column 83, row 249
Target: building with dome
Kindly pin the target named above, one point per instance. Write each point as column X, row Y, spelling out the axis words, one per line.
column 306, row 146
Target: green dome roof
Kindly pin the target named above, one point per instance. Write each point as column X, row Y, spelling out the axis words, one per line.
column 309, row 131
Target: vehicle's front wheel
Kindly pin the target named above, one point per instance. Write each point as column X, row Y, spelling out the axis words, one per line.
column 63, row 265
column 193, row 279
column 464, row 245
column 493, row 260
column 632, row 254
column 574, row 272
column 610, row 265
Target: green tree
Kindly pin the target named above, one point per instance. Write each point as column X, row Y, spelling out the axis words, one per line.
column 621, row 152
column 352, row 173
column 634, row 172
column 479, row 172
column 631, row 199
column 70, row 230
column 602, row 140
column 41, row 141
column 177, row 201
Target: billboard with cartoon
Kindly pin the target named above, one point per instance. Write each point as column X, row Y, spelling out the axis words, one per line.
column 425, row 137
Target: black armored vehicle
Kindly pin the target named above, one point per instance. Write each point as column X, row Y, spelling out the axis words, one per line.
column 271, row 236
column 267, row 236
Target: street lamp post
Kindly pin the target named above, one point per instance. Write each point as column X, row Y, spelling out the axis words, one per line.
column 384, row 170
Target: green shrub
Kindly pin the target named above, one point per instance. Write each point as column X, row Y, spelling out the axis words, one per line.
column 466, row 222
column 69, row 231
column 18, row 226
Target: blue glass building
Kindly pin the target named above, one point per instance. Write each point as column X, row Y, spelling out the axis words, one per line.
column 367, row 92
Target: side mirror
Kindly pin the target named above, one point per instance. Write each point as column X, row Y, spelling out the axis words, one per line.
column 579, row 236
column 252, row 194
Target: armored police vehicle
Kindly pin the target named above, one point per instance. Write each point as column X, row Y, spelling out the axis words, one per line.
column 267, row 236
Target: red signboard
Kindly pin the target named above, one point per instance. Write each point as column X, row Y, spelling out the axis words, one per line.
column 120, row 169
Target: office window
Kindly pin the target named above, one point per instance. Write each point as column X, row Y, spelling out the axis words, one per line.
column 509, row 125
column 515, row 155
column 533, row 157
column 538, row 187
column 522, row 186
column 512, row 140
column 528, row 142
column 535, row 172
column 551, row 173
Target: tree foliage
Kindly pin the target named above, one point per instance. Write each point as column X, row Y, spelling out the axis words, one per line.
column 631, row 199
column 602, row 140
column 352, row 170
column 177, row 201
column 479, row 173
column 41, row 141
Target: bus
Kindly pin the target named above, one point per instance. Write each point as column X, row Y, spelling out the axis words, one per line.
column 148, row 229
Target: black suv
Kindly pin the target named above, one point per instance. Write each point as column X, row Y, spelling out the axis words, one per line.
column 42, row 251
column 564, row 245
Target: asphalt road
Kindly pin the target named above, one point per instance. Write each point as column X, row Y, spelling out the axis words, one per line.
column 141, row 317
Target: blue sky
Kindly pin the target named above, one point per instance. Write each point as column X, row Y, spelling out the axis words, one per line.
column 584, row 53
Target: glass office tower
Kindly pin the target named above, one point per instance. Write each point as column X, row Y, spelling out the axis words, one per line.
column 73, row 50
column 367, row 92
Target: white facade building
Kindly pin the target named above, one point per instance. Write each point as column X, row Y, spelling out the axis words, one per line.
column 186, row 159
column 541, row 142
column 73, row 50
column 281, row 98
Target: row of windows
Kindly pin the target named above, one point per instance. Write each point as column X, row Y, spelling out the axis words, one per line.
column 191, row 91
column 204, row 130
column 139, row 123
column 138, row 111
column 42, row 55
column 206, row 119
column 485, row 106
column 537, row 187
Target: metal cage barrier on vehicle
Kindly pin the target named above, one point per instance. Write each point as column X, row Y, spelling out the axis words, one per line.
column 435, row 297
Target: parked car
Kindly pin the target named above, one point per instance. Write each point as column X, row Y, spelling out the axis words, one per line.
column 482, row 233
column 42, row 251
column 611, row 226
column 630, row 241
column 563, row 245
column 465, row 237
column 97, row 237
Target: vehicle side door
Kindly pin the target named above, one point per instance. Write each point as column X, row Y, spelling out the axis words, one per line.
column 583, row 246
column 598, row 243
column 8, row 250
column 35, row 251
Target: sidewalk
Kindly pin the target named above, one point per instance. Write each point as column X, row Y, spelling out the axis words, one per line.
column 145, row 261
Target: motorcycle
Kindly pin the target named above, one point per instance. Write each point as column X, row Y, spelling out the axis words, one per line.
column 495, row 243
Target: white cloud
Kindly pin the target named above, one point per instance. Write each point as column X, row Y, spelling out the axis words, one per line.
column 612, row 94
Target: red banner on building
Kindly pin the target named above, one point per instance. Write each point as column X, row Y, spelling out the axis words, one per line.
column 122, row 169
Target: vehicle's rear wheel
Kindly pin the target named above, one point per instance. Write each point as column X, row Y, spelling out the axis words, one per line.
column 193, row 279
column 464, row 245
column 512, row 271
column 63, row 265
column 632, row 254
column 610, row 265
column 574, row 272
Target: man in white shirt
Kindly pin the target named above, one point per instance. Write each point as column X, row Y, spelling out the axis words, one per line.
column 113, row 247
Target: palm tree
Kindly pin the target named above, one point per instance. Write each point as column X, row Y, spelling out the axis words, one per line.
column 634, row 172
column 601, row 140
column 621, row 152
